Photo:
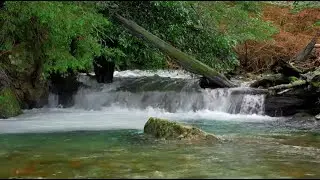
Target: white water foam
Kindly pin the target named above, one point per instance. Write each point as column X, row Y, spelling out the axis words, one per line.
column 252, row 104
column 162, row 73
column 219, row 100
column 130, row 110
column 71, row 119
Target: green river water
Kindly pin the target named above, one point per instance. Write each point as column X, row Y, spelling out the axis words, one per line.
column 102, row 135
column 249, row 150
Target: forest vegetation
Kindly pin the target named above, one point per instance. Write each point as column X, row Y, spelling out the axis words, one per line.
column 40, row 40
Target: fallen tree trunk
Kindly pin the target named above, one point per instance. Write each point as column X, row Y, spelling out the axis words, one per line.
column 250, row 91
column 303, row 54
column 287, row 86
column 187, row 62
column 270, row 80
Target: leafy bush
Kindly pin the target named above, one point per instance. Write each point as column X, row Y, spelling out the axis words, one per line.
column 206, row 30
column 49, row 28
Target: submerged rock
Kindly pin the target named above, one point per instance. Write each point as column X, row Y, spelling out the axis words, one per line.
column 164, row 129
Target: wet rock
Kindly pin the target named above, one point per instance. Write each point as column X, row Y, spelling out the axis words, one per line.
column 103, row 69
column 291, row 102
column 9, row 105
column 206, row 83
column 302, row 115
column 315, row 81
column 164, row 129
column 4, row 79
column 65, row 86
column 24, row 79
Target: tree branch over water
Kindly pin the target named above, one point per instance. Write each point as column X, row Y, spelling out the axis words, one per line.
column 186, row 61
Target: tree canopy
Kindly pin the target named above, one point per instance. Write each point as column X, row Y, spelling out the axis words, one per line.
column 62, row 36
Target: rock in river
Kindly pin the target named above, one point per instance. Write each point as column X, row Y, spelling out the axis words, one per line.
column 164, row 129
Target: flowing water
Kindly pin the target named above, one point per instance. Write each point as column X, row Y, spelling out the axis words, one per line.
column 101, row 136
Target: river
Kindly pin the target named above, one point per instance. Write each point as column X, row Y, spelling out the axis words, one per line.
column 101, row 136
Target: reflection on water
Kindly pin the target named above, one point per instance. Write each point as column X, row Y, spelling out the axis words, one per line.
column 263, row 152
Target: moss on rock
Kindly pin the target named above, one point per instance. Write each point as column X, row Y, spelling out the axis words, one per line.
column 293, row 79
column 315, row 84
column 9, row 105
column 315, row 81
column 164, row 129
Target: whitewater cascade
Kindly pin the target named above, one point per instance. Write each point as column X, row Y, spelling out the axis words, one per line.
column 133, row 97
column 173, row 91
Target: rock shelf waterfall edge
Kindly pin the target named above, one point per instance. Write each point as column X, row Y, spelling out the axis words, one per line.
column 133, row 97
column 172, row 93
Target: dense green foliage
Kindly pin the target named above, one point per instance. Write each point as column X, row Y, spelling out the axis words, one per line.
column 48, row 28
column 206, row 30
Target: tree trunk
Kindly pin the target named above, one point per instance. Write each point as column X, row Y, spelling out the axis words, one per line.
column 285, row 68
column 303, row 54
column 187, row 62
column 287, row 86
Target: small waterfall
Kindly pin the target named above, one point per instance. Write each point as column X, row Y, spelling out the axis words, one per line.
column 252, row 104
column 169, row 94
column 53, row 100
column 131, row 99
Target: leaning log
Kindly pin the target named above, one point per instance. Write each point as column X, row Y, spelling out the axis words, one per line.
column 285, row 68
column 186, row 61
column 303, row 54
column 290, row 85
column 249, row 91
column 270, row 80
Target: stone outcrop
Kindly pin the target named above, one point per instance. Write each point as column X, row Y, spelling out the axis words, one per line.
column 103, row 69
column 9, row 105
column 164, row 129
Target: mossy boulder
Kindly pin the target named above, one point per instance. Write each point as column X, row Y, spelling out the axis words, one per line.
column 9, row 105
column 164, row 129
column 315, row 81
column 23, row 75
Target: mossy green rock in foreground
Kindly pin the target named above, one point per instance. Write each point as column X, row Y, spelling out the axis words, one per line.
column 9, row 105
column 164, row 129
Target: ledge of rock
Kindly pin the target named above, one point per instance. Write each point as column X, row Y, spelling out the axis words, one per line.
column 164, row 129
